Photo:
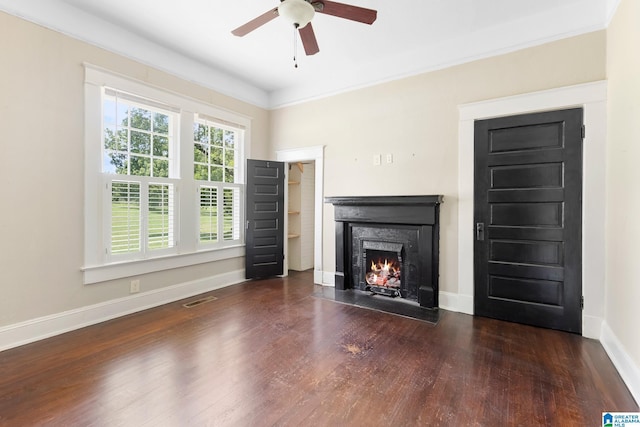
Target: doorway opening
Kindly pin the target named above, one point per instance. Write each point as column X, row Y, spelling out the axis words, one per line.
column 300, row 215
column 312, row 156
column 528, row 216
column 591, row 97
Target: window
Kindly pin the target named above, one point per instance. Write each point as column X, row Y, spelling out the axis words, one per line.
column 214, row 152
column 210, row 222
column 164, row 179
column 138, row 163
column 137, row 137
column 215, row 156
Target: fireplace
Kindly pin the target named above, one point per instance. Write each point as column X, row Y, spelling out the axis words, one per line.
column 388, row 245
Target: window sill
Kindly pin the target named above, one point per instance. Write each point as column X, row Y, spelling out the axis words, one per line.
column 106, row 272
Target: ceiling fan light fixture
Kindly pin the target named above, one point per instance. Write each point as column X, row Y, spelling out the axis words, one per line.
column 298, row 12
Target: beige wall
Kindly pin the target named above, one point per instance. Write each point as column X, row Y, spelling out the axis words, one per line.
column 42, row 171
column 622, row 311
column 416, row 120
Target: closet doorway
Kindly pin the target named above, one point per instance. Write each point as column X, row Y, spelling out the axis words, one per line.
column 304, row 201
column 300, row 202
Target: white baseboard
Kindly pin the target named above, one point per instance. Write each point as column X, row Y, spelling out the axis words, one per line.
column 317, row 277
column 591, row 327
column 628, row 370
column 44, row 327
column 448, row 301
column 328, row 278
column 456, row 302
column 465, row 304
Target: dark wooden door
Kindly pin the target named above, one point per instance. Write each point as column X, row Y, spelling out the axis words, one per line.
column 528, row 218
column 265, row 219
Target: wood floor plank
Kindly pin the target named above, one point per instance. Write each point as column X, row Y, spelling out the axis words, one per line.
column 270, row 353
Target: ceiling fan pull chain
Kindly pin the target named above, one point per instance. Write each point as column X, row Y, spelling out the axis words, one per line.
column 295, row 45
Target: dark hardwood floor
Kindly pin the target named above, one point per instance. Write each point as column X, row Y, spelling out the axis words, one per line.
column 270, row 353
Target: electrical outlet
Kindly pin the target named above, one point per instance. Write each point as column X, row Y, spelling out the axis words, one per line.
column 377, row 159
column 135, row 286
column 389, row 158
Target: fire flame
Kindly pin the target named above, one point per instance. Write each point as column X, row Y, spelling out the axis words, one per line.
column 385, row 273
column 386, row 267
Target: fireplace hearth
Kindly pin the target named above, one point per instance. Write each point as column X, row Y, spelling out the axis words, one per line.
column 388, row 246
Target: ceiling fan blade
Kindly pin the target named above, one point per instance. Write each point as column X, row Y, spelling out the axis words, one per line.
column 346, row 11
column 309, row 41
column 245, row 29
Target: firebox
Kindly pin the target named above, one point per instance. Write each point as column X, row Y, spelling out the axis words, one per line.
column 388, row 246
column 382, row 267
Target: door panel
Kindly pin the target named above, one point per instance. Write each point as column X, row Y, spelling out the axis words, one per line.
column 265, row 219
column 528, row 215
column 547, row 175
column 528, row 137
column 549, row 253
column 526, row 290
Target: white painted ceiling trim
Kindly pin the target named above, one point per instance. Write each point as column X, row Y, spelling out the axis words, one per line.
column 523, row 33
column 68, row 20
column 397, row 56
column 611, row 7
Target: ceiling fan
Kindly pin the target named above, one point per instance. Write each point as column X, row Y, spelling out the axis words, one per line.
column 300, row 13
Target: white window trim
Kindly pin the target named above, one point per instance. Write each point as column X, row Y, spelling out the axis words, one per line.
column 96, row 268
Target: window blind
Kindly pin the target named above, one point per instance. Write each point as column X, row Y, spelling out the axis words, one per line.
column 208, row 214
column 125, row 217
column 160, row 216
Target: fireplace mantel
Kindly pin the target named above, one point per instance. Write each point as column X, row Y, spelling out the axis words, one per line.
column 413, row 209
column 419, row 213
column 384, row 200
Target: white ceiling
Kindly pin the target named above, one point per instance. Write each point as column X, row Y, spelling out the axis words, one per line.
column 192, row 38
